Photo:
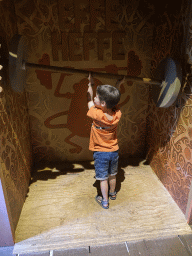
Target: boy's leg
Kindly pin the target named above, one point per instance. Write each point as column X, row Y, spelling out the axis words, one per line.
column 112, row 183
column 104, row 189
column 113, row 169
column 101, row 162
column 103, row 200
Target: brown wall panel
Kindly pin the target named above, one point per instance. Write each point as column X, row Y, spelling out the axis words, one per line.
column 169, row 130
column 15, row 146
column 108, row 36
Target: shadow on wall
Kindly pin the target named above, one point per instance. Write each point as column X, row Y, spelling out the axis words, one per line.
column 156, row 141
column 165, row 121
column 169, row 146
column 168, row 41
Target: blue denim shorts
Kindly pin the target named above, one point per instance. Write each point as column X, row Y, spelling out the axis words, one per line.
column 106, row 163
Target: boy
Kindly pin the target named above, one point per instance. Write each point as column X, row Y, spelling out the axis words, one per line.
column 103, row 137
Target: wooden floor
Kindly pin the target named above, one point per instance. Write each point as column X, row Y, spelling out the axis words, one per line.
column 60, row 212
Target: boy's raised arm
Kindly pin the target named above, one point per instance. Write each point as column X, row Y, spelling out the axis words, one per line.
column 90, row 92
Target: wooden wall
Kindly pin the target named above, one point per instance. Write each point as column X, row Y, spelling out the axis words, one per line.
column 112, row 36
column 15, row 147
column 169, row 130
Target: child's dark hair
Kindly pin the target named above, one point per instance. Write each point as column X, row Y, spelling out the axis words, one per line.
column 109, row 94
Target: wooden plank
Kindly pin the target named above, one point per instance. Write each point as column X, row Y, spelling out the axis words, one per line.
column 72, row 252
column 166, row 246
column 109, row 250
column 139, row 248
column 187, row 242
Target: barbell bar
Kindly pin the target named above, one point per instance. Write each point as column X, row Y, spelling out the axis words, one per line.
column 164, row 88
column 93, row 73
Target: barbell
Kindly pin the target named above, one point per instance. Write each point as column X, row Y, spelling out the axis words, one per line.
column 164, row 90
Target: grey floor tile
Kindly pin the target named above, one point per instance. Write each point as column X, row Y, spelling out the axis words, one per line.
column 72, row 252
column 109, row 250
column 36, row 254
column 166, row 246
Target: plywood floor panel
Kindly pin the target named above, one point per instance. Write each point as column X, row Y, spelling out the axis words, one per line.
column 60, row 211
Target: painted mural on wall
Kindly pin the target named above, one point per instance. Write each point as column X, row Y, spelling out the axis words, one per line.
column 106, row 36
column 15, row 148
column 169, row 130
